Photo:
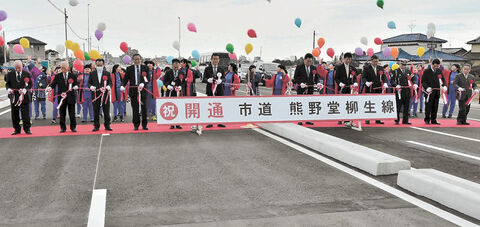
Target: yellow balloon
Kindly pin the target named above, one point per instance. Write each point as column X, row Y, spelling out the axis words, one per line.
column 25, row 43
column 395, row 66
column 68, row 44
column 248, row 48
column 76, row 47
column 420, row 51
column 94, row 54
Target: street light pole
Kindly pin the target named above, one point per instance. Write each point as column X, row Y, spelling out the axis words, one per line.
column 313, row 39
column 179, row 21
column 66, row 34
column 88, row 27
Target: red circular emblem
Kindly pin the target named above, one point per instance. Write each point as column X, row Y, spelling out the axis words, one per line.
column 168, row 111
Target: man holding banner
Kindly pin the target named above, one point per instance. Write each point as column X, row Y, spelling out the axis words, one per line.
column 375, row 80
column 18, row 82
column 100, row 84
column 432, row 82
column 306, row 78
column 467, row 89
column 402, row 81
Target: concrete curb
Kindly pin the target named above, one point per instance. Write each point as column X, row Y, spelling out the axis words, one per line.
column 364, row 158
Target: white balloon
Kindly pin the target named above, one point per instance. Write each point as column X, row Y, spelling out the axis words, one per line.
column 364, row 40
column 176, row 45
column 101, row 26
column 73, row 2
column 430, row 34
column 60, row 48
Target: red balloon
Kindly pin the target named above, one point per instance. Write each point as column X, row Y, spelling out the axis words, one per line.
column 2, row 41
column 330, row 52
column 124, row 47
column 378, row 41
column 252, row 33
column 78, row 65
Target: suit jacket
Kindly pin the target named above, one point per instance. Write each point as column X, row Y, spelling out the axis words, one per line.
column 12, row 83
column 430, row 78
column 301, row 76
column 63, row 86
column 461, row 81
column 93, row 81
column 208, row 73
column 378, row 79
column 341, row 75
column 169, row 79
column 130, row 78
column 399, row 78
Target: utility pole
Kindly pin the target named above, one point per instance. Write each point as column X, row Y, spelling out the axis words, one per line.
column 4, row 50
column 179, row 21
column 66, row 34
column 313, row 39
column 89, row 47
column 412, row 26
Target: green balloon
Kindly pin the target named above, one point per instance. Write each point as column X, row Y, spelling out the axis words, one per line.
column 380, row 3
column 194, row 63
column 87, row 57
column 230, row 48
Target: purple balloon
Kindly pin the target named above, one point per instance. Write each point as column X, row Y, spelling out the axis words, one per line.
column 127, row 59
column 98, row 34
column 3, row 15
column 387, row 52
column 359, row 51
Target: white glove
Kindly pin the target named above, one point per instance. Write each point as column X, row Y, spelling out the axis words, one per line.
column 169, row 87
column 219, row 75
column 10, row 91
column 398, row 87
column 445, row 88
column 141, row 85
column 461, row 89
column 210, row 80
column 22, row 91
column 48, row 89
column 385, row 85
column 355, row 84
column 369, row 84
column 179, row 88
column 102, row 89
column 477, row 91
column 122, row 88
column 320, row 86
column 173, row 83
column 429, row 89
column 415, row 86
column 75, row 87
column 342, row 85
column 108, row 87
column 219, row 81
column 302, row 85
column 92, row 88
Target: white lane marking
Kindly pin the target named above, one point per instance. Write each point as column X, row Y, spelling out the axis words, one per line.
column 4, row 112
column 445, row 150
column 96, row 216
column 98, row 161
column 446, row 134
column 402, row 195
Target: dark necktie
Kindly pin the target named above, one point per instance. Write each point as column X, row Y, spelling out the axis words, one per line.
column 18, row 77
column 65, row 78
column 137, row 68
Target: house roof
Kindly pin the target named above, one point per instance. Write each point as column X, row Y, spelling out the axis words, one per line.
column 50, row 50
column 475, row 41
column 469, row 55
column 404, row 55
column 414, row 37
column 32, row 41
column 453, row 50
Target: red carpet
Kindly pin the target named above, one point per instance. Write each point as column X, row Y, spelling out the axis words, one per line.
column 124, row 128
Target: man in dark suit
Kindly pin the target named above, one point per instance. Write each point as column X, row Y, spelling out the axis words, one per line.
column 431, row 84
column 400, row 80
column 67, row 83
column 100, row 82
column 345, row 75
column 134, row 76
column 173, row 82
column 18, row 82
column 210, row 75
column 304, row 77
column 462, row 85
column 374, row 79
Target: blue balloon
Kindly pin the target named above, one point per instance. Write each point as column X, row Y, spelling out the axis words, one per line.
column 391, row 63
column 196, row 54
column 160, row 84
column 169, row 59
column 298, row 22
column 391, row 25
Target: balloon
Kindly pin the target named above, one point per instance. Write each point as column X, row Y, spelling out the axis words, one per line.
column 370, row 52
column 378, row 41
column 86, row 56
column 248, row 48
column 78, row 65
column 196, row 54
column 391, row 25
column 176, row 45
column 330, row 52
column 232, row 56
column 395, row 66
column 194, row 63
column 68, row 44
column 380, row 3
column 251, row 33
column 386, row 52
column 160, row 83
column 94, row 54
column 364, row 40
column 2, row 41
column 431, row 27
column 169, row 59
column 126, row 59
column 101, row 26
column 73, row 2
column 25, row 43
column 3, row 15
column 391, row 64
column 321, row 42
column 394, row 51
column 60, row 48
column 191, row 27
column 359, row 51
column 75, row 47
column 79, row 54
column 1, row 27
column 18, row 49
column 230, row 48
column 98, row 34
column 420, row 51
column 316, row 52
column 429, row 34
column 298, row 22
column 124, row 47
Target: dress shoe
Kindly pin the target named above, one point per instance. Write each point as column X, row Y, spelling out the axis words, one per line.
column 221, row 126
column 28, row 132
column 209, row 126
column 108, row 129
column 63, row 131
column 136, row 128
column 74, row 130
column 339, row 122
column 406, row 123
column 15, row 133
column 379, row 122
column 465, row 123
column 397, row 122
column 300, row 123
column 95, row 129
column 426, row 122
column 309, row 123
column 145, row 128
column 178, row 127
column 449, row 116
column 173, row 126
column 443, row 116
column 435, row 123
column 367, row 122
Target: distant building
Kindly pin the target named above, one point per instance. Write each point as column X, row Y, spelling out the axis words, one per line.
column 458, row 51
column 473, row 56
column 36, row 50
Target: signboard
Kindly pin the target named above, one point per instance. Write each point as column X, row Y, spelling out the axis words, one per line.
column 197, row 110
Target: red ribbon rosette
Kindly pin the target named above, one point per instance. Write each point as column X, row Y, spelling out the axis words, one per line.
column 144, row 74
column 381, row 73
column 314, row 72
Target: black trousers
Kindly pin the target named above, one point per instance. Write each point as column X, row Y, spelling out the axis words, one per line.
column 463, row 110
column 402, row 105
column 71, row 115
column 135, row 108
column 96, row 113
column 15, row 110
column 431, row 106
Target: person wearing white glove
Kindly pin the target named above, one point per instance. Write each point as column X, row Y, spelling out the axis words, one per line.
column 400, row 80
column 320, row 86
column 431, row 81
column 462, row 83
column 461, row 89
column 429, row 89
column 100, row 78
column 342, row 85
column 93, row 88
column 376, row 79
column 170, row 87
column 355, row 84
column 210, row 80
column 385, row 85
column 219, row 81
column 445, row 88
column 22, row 111
column 108, row 87
column 368, row 84
column 141, row 85
column 122, row 88
column 10, row 91
column 75, row 87
column 303, row 85
column 415, row 86
column 398, row 87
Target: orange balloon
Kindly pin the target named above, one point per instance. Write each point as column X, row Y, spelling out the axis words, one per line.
column 321, row 42
column 394, row 52
column 316, row 52
column 80, row 55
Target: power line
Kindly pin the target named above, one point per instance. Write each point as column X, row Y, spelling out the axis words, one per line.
column 32, row 28
column 56, row 7
column 71, row 29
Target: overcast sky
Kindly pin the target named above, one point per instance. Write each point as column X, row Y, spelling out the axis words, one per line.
column 151, row 26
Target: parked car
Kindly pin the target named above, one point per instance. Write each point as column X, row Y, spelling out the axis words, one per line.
column 266, row 69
